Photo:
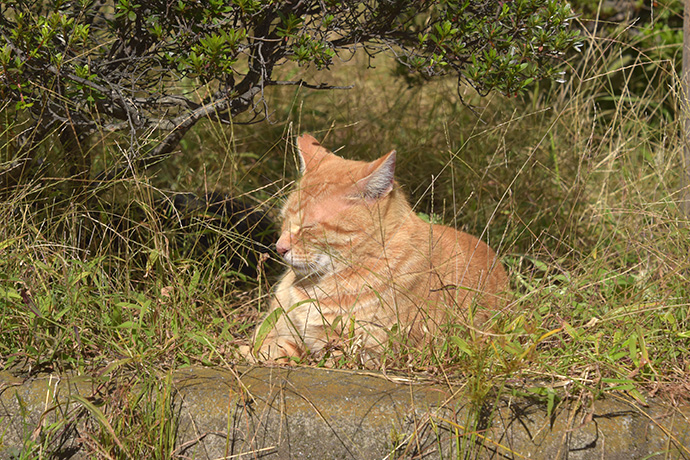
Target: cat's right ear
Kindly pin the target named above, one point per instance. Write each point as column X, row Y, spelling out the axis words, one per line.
column 381, row 177
column 310, row 152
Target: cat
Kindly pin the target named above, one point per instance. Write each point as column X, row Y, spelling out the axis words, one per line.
column 363, row 265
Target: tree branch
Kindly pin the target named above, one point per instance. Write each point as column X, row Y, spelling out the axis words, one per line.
column 305, row 84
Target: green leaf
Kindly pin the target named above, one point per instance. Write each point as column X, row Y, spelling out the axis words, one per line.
column 550, row 401
column 462, row 345
column 267, row 326
column 10, row 293
column 572, row 332
column 194, row 282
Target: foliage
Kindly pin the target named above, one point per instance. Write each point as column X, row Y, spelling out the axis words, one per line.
column 574, row 185
column 644, row 39
column 126, row 416
column 150, row 70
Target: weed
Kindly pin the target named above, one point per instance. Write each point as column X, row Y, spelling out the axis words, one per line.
column 575, row 185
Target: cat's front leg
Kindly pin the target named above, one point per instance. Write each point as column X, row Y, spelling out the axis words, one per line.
column 275, row 338
column 278, row 345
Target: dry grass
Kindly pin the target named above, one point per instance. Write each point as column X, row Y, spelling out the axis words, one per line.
column 574, row 184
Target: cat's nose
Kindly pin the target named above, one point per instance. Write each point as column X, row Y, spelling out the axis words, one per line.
column 282, row 247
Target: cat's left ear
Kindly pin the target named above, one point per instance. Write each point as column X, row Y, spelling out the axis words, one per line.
column 379, row 182
column 311, row 152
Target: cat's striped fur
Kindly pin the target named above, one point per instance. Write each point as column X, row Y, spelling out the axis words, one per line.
column 363, row 264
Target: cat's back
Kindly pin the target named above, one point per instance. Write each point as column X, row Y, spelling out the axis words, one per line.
column 456, row 258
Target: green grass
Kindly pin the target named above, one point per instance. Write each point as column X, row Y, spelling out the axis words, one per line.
column 127, row 416
column 573, row 184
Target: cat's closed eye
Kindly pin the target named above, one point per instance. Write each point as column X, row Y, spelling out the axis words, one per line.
column 309, row 227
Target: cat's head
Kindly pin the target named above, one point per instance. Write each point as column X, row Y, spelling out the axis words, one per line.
column 335, row 214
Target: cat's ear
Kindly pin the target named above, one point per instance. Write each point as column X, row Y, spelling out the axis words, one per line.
column 379, row 182
column 310, row 152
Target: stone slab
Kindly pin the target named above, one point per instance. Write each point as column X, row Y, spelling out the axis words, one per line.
column 307, row 413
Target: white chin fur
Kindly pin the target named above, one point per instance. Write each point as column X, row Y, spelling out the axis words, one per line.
column 319, row 265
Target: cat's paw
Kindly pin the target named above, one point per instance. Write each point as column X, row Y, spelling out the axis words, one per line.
column 246, row 353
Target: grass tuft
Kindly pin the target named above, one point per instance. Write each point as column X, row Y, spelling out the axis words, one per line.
column 575, row 185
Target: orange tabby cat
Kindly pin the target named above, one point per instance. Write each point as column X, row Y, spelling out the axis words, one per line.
column 363, row 264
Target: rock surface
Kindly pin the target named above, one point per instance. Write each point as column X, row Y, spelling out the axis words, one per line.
column 304, row 413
